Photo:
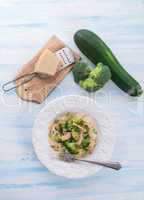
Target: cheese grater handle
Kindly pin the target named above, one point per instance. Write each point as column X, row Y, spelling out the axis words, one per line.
column 10, row 85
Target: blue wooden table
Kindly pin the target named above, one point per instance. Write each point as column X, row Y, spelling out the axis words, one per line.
column 24, row 27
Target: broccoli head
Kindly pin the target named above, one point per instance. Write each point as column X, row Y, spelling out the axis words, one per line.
column 81, row 71
column 91, row 79
column 101, row 74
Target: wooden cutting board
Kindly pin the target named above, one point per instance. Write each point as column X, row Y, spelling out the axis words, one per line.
column 38, row 89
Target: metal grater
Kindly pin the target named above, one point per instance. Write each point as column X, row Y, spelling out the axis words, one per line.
column 66, row 56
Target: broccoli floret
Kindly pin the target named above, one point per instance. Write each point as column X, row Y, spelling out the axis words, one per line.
column 90, row 85
column 81, row 71
column 101, row 74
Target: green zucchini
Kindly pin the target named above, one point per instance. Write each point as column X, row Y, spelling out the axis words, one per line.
column 97, row 51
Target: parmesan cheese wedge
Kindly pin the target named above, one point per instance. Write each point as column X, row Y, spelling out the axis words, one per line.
column 47, row 63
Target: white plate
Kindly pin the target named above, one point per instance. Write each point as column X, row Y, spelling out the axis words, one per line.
column 47, row 155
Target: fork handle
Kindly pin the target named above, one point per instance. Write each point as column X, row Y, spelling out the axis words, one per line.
column 112, row 165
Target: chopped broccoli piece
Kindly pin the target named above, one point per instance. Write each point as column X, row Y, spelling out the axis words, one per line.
column 64, row 127
column 85, row 142
column 81, row 71
column 56, row 137
column 71, row 147
column 101, row 74
column 69, row 126
column 90, row 85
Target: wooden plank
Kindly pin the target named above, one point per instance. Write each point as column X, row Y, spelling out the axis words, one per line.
column 38, row 89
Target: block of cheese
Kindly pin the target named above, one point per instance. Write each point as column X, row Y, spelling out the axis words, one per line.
column 47, row 63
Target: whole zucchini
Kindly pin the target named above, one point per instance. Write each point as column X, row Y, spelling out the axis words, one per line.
column 97, row 51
